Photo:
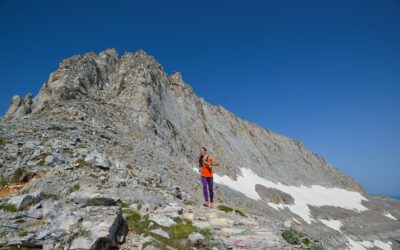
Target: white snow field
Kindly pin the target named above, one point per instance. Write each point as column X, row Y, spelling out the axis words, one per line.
column 303, row 196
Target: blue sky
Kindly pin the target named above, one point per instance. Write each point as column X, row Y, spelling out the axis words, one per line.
column 326, row 73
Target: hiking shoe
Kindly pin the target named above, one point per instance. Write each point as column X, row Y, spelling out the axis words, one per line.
column 212, row 205
column 206, row 204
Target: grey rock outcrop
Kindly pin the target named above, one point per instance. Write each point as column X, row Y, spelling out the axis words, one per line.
column 20, row 106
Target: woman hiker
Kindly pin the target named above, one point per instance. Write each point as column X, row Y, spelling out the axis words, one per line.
column 206, row 164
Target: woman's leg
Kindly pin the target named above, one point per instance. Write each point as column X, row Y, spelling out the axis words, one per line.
column 205, row 191
column 210, row 187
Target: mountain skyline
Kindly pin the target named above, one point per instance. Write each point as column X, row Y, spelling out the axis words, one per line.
column 325, row 74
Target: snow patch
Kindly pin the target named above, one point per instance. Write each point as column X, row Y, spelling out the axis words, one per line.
column 356, row 245
column 334, row 224
column 390, row 216
column 303, row 196
column 364, row 245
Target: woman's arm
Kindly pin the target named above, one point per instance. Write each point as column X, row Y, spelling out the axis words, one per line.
column 214, row 162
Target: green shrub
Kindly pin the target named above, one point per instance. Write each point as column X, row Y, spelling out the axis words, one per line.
column 240, row 213
column 181, row 230
column 212, row 244
column 316, row 247
column 74, row 188
column 9, row 207
column 80, row 162
column 306, row 241
column 291, row 236
column 50, row 196
column 86, row 233
column 225, row 208
column 3, row 233
column 22, row 233
column 229, row 209
column 41, row 162
column 17, row 176
column 3, row 181
column 136, row 223
column 206, row 232
column 122, row 204
column 2, row 143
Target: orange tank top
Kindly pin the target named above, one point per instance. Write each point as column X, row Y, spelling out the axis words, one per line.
column 206, row 171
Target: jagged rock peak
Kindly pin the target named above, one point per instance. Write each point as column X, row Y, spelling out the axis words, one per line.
column 88, row 74
column 20, row 106
column 177, row 77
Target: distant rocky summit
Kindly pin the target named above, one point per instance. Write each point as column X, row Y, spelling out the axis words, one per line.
column 105, row 157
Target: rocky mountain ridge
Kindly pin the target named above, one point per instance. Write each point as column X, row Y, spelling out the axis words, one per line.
column 106, row 130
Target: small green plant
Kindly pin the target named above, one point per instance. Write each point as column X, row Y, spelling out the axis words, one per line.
column 229, row 209
column 189, row 202
column 74, row 188
column 306, row 241
column 2, row 143
column 181, row 230
column 41, row 162
column 240, row 213
column 136, row 223
column 206, row 232
column 3, row 181
column 80, row 162
column 17, row 176
column 3, row 233
column 291, row 236
column 93, row 176
column 50, row 196
column 212, row 244
column 224, row 208
column 9, row 207
column 122, row 204
column 317, row 247
column 86, row 233
column 22, row 233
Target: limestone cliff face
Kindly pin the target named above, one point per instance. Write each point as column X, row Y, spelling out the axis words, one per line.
column 166, row 104
column 128, row 117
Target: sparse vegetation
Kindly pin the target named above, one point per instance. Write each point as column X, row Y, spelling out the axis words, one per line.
column 17, row 176
column 50, row 196
column 93, row 176
column 80, row 162
column 317, row 247
column 2, row 143
column 41, row 162
column 3, row 181
column 178, row 233
column 3, row 233
column 122, row 204
column 229, row 209
column 9, row 207
column 225, row 208
column 22, row 233
column 291, row 236
column 86, row 233
column 189, row 202
column 181, row 230
column 136, row 223
column 74, row 188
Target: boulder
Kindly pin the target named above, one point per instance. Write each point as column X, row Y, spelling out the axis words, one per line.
column 25, row 200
